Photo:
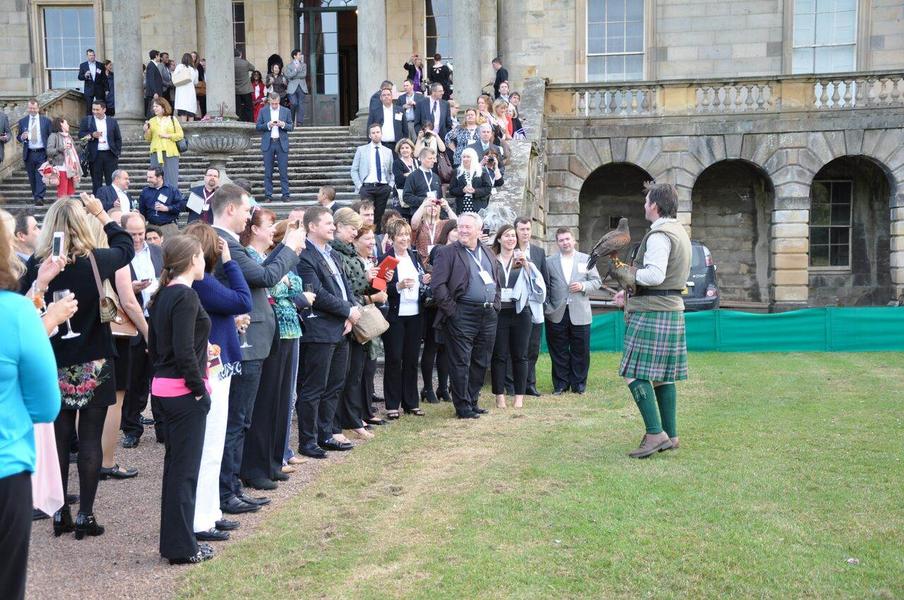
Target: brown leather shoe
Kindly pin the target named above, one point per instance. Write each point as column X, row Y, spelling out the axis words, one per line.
column 651, row 444
column 674, row 446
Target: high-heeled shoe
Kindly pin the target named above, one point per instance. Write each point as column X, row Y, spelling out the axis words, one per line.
column 428, row 396
column 87, row 525
column 444, row 395
column 62, row 521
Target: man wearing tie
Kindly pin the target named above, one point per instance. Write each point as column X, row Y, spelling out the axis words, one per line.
column 115, row 196
column 34, row 130
column 439, row 111
column 153, row 83
column 275, row 122
column 372, row 171
column 390, row 117
column 104, row 146
column 92, row 74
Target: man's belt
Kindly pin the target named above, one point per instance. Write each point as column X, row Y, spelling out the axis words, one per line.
column 477, row 304
column 643, row 291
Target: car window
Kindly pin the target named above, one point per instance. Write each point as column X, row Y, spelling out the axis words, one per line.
column 698, row 258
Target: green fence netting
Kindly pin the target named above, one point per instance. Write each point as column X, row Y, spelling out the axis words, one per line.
column 830, row 329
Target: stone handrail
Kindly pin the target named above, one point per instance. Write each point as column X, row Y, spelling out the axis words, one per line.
column 786, row 93
column 53, row 103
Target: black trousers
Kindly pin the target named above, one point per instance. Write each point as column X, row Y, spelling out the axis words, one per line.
column 533, row 353
column 15, row 514
column 321, row 377
column 469, row 336
column 136, row 398
column 378, row 193
column 244, row 108
column 102, row 169
column 402, row 345
column 185, row 423
column 512, row 338
column 287, row 393
column 569, row 349
column 433, row 353
column 270, row 413
column 148, row 113
column 367, row 390
column 352, row 410
column 242, row 394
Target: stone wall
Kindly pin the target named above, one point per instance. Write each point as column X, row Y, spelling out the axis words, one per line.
column 886, row 39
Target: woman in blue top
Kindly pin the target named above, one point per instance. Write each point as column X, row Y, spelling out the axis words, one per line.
column 222, row 304
column 29, row 393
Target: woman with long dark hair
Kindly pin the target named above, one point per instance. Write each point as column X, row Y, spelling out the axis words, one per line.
column 178, row 349
column 258, row 92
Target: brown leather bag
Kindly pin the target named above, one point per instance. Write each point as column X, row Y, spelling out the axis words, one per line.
column 110, row 310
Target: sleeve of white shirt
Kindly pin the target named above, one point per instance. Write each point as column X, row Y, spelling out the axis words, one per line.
column 655, row 261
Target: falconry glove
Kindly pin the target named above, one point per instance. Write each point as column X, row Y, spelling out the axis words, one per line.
column 624, row 274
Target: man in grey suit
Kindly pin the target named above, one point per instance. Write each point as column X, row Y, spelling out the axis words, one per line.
column 568, row 314
column 5, row 134
column 372, row 172
column 243, row 106
column 275, row 122
column 231, row 207
column 296, row 72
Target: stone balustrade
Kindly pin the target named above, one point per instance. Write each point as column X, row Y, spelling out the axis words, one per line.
column 791, row 93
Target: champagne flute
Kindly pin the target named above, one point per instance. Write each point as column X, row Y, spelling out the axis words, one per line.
column 58, row 296
column 243, row 338
column 309, row 287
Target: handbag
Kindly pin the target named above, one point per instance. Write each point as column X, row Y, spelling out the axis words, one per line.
column 372, row 324
column 201, row 88
column 444, row 167
column 108, row 308
column 181, row 145
column 181, row 78
column 121, row 325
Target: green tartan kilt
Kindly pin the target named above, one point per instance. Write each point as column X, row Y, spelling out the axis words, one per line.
column 655, row 347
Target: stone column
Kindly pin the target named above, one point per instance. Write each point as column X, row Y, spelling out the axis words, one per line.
column 790, row 247
column 897, row 240
column 371, row 56
column 466, row 45
column 127, row 61
column 219, row 47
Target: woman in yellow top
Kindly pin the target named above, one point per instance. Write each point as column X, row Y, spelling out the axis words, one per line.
column 163, row 131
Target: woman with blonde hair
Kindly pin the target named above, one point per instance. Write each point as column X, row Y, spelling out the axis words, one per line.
column 164, row 132
column 471, row 186
column 63, row 156
column 500, row 111
column 84, row 349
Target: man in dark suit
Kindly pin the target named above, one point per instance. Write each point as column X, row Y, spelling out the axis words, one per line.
column 421, row 185
column 538, row 257
column 231, row 210
column 374, row 102
column 104, row 145
column 153, row 82
column 501, row 75
column 324, row 345
column 466, row 290
column 94, row 76
column 390, row 117
column 204, row 192
column 34, row 131
column 412, row 103
column 116, row 194
column 6, row 134
column 275, row 122
column 437, row 110
column 145, row 268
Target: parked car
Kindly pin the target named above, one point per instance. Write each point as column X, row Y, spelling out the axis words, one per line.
column 702, row 291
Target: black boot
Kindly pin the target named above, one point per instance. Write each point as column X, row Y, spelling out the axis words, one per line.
column 444, row 395
column 87, row 525
column 62, row 521
column 429, row 397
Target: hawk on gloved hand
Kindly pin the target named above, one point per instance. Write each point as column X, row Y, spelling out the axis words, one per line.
column 611, row 244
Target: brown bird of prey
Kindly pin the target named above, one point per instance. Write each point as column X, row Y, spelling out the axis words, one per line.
column 611, row 244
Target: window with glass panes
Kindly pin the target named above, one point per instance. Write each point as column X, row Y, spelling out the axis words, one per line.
column 825, row 36
column 238, row 26
column 439, row 29
column 615, row 40
column 830, row 223
column 68, row 32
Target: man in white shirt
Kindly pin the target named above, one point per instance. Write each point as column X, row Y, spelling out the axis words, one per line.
column 390, row 117
column 115, row 195
column 568, row 314
column 92, row 73
column 411, row 102
column 372, row 171
column 104, row 144
column 34, row 131
column 275, row 122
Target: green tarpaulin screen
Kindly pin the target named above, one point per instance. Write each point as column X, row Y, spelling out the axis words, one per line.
column 828, row 329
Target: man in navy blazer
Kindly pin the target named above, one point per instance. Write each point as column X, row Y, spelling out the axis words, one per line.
column 275, row 122
column 324, row 345
column 153, row 82
column 104, row 144
column 34, row 130
column 116, row 194
column 437, row 110
column 387, row 109
column 95, row 78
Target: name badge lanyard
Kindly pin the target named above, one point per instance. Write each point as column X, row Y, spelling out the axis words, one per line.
column 506, row 270
column 429, row 182
column 476, row 258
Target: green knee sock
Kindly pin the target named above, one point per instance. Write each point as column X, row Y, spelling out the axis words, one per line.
column 646, row 402
column 666, row 398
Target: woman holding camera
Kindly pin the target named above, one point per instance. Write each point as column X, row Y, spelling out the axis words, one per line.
column 426, row 138
column 472, row 185
column 417, row 73
column 521, row 283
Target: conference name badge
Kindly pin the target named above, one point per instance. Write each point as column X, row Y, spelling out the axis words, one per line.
column 507, row 294
column 398, row 116
column 161, row 198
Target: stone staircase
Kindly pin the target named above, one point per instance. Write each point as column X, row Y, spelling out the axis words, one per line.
column 317, row 156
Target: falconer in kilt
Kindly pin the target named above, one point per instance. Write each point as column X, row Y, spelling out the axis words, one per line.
column 655, row 353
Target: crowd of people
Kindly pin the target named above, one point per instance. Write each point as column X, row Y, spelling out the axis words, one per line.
column 230, row 323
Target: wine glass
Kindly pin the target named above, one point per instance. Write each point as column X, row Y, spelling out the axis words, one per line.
column 309, row 287
column 243, row 338
column 58, row 296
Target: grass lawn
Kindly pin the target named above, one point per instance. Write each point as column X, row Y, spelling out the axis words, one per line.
column 789, row 484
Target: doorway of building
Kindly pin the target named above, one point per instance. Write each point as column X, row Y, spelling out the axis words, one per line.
column 327, row 33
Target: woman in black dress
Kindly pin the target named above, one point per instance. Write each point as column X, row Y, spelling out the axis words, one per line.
column 85, row 359
column 403, row 165
column 177, row 347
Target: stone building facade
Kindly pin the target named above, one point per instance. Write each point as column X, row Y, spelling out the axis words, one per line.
column 781, row 122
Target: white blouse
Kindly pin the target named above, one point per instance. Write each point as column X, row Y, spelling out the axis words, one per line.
column 408, row 298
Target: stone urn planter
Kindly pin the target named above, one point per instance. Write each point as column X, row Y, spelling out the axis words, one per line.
column 218, row 141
